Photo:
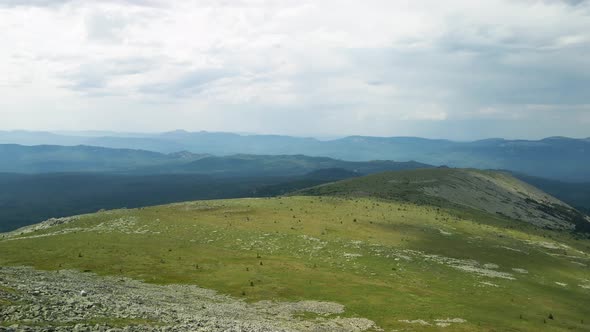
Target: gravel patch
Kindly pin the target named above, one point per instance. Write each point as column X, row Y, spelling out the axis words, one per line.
column 446, row 322
column 69, row 300
column 471, row 266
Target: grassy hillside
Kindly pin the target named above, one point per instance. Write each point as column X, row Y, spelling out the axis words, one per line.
column 489, row 191
column 404, row 266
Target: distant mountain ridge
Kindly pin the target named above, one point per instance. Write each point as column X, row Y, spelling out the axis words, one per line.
column 59, row 159
column 560, row 158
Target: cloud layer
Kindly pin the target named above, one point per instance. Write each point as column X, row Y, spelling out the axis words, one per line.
column 458, row 69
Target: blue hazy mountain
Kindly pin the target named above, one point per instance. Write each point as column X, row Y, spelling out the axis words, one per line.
column 60, row 159
column 554, row 157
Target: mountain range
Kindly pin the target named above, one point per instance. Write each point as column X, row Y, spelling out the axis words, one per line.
column 56, row 159
column 558, row 158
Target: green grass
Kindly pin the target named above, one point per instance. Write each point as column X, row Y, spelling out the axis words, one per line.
column 349, row 251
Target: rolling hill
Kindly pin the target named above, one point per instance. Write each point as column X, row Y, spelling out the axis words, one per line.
column 493, row 192
column 391, row 251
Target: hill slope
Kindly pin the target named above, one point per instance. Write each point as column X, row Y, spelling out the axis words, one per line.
column 489, row 191
column 576, row 194
column 325, row 264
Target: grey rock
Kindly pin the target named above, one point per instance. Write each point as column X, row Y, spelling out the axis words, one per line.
column 58, row 307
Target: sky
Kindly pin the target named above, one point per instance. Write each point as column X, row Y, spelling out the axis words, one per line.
column 457, row 69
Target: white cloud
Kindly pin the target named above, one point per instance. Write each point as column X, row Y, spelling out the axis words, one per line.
column 294, row 67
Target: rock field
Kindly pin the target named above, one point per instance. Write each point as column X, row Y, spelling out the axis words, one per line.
column 66, row 300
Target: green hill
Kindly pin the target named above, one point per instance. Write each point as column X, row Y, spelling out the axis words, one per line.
column 411, row 258
column 493, row 192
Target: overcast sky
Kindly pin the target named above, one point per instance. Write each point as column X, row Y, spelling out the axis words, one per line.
column 452, row 69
